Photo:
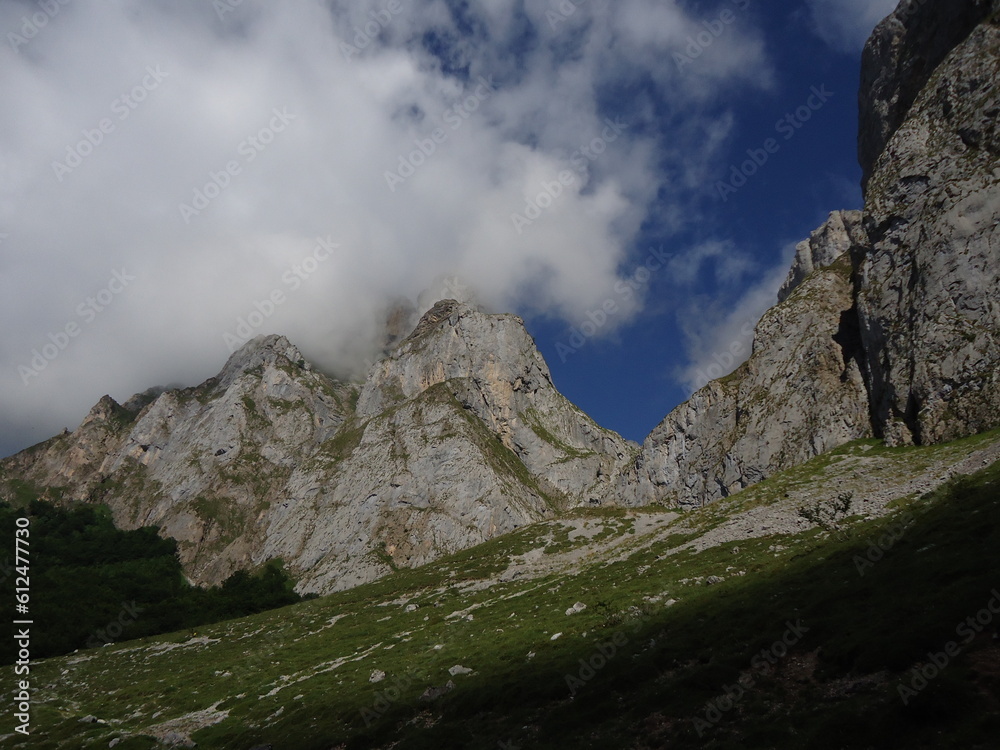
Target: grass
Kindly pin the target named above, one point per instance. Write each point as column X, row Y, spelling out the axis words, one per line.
column 345, row 441
column 501, row 458
column 534, row 421
column 299, row 677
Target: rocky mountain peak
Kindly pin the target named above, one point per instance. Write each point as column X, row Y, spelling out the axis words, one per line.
column 103, row 411
column 841, row 232
column 454, row 340
column 260, row 351
column 440, row 311
column 456, row 436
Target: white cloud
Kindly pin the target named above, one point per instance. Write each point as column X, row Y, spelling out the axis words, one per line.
column 718, row 329
column 319, row 170
column 845, row 25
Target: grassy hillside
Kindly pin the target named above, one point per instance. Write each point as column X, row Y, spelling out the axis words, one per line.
column 788, row 640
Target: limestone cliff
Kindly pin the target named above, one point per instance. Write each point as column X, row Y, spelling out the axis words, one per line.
column 800, row 394
column 841, row 232
column 492, row 367
column 889, row 320
column 900, row 57
column 928, row 285
column 457, row 437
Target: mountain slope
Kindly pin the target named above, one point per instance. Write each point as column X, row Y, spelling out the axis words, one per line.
column 800, row 394
column 500, row 376
column 489, row 646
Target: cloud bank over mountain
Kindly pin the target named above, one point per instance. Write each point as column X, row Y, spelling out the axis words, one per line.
column 252, row 167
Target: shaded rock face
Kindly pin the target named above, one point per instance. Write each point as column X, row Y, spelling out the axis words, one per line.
column 800, row 394
column 899, row 59
column 399, row 321
column 451, row 442
column 929, row 285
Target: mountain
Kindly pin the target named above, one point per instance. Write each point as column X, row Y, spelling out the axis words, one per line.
column 801, row 555
column 927, row 282
column 887, row 326
column 800, row 394
column 736, row 625
column 889, row 321
column 456, row 437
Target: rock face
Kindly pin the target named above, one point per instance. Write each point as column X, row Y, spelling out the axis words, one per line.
column 493, row 369
column 841, row 232
column 899, row 59
column 928, row 285
column 207, row 464
column 457, row 437
column 800, row 394
column 889, row 320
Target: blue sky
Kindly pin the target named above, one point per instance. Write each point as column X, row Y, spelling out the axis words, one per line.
column 178, row 176
column 628, row 381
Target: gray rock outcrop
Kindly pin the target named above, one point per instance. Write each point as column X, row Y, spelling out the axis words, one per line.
column 889, row 320
column 841, row 232
column 800, row 394
column 899, row 59
column 494, row 370
column 457, row 436
column 928, row 286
